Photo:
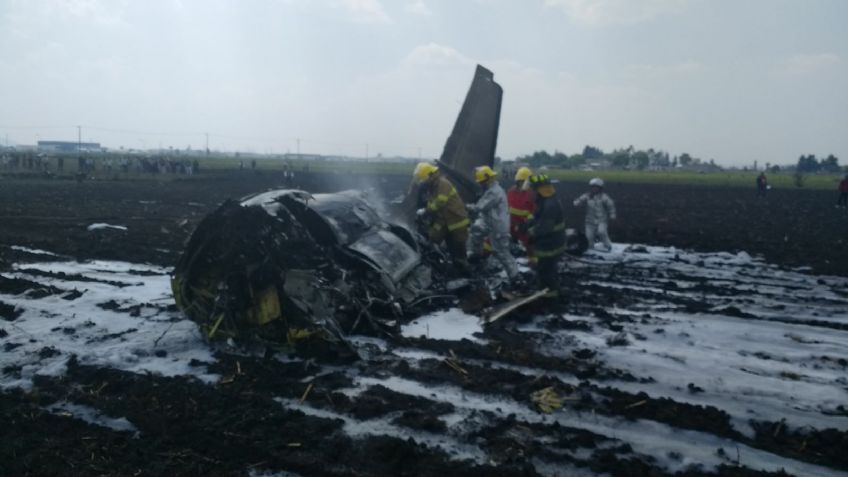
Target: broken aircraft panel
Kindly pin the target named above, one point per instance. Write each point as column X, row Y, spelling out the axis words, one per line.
column 287, row 266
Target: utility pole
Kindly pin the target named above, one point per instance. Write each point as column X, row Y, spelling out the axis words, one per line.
column 298, row 148
column 79, row 139
column 207, row 144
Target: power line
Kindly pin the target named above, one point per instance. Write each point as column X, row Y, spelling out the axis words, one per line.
column 36, row 127
column 205, row 135
column 144, row 133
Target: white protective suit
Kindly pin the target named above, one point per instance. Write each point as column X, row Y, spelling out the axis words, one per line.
column 599, row 210
column 493, row 222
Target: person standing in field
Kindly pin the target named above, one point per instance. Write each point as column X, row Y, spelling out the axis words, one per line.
column 842, row 202
column 521, row 206
column 762, row 185
column 600, row 209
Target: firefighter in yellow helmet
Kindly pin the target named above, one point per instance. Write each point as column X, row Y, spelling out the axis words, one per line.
column 446, row 212
column 492, row 221
column 546, row 229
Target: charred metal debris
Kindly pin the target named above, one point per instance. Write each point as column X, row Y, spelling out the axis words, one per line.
column 289, row 268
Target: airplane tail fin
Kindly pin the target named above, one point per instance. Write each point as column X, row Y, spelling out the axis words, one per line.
column 474, row 137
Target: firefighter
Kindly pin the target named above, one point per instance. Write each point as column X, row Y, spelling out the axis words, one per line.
column 492, row 221
column 546, row 230
column 521, row 205
column 445, row 212
column 600, row 209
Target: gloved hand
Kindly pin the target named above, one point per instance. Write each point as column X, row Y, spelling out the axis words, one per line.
column 421, row 213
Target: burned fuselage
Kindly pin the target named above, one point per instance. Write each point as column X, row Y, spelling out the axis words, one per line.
column 286, row 266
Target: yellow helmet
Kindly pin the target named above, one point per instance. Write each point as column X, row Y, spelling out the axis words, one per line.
column 542, row 185
column 522, row 174
column 423, row 171
column 483, row 174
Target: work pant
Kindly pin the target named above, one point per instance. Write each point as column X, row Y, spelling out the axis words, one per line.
column 500, row 248
column 843, row 199
column 547, row 272
column 524, row 238
column 455, row 241
column 598, row 232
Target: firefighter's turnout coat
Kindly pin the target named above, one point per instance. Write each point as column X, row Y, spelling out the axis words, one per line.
column 449, row 219
column 547, row 228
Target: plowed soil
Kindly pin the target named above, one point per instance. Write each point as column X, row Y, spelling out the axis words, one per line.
column 425, row 406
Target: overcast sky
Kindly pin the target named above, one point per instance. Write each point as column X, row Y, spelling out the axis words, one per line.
column 730, row 80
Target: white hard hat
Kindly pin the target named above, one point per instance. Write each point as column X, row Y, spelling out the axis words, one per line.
column 597, row 181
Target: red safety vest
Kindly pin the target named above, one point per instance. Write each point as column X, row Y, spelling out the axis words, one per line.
column 521, row 205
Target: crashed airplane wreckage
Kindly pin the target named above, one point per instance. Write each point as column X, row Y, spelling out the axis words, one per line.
column 286, row 267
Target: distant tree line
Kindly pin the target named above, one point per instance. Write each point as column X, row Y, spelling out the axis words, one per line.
column 809, row 164
column 624, row 158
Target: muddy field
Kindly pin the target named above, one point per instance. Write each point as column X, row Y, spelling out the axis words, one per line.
column 792, row 227
column 704, row 351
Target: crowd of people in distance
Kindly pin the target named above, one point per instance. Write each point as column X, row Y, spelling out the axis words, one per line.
column 29, row 161
column 24, row 161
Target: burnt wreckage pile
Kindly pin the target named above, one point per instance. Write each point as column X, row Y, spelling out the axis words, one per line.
column 292, row 267
column 288, row 267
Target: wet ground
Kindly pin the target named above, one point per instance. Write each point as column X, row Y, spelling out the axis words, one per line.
column 660, row 361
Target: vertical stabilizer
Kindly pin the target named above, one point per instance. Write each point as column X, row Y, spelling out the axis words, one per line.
column 472, row 142
column 474, row 137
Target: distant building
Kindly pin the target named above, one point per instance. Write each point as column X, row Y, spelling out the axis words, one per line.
column 68, row 146
column 596, row 165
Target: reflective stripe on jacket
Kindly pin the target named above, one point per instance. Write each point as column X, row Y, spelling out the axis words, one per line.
column 521, row 205
column 445, row 205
